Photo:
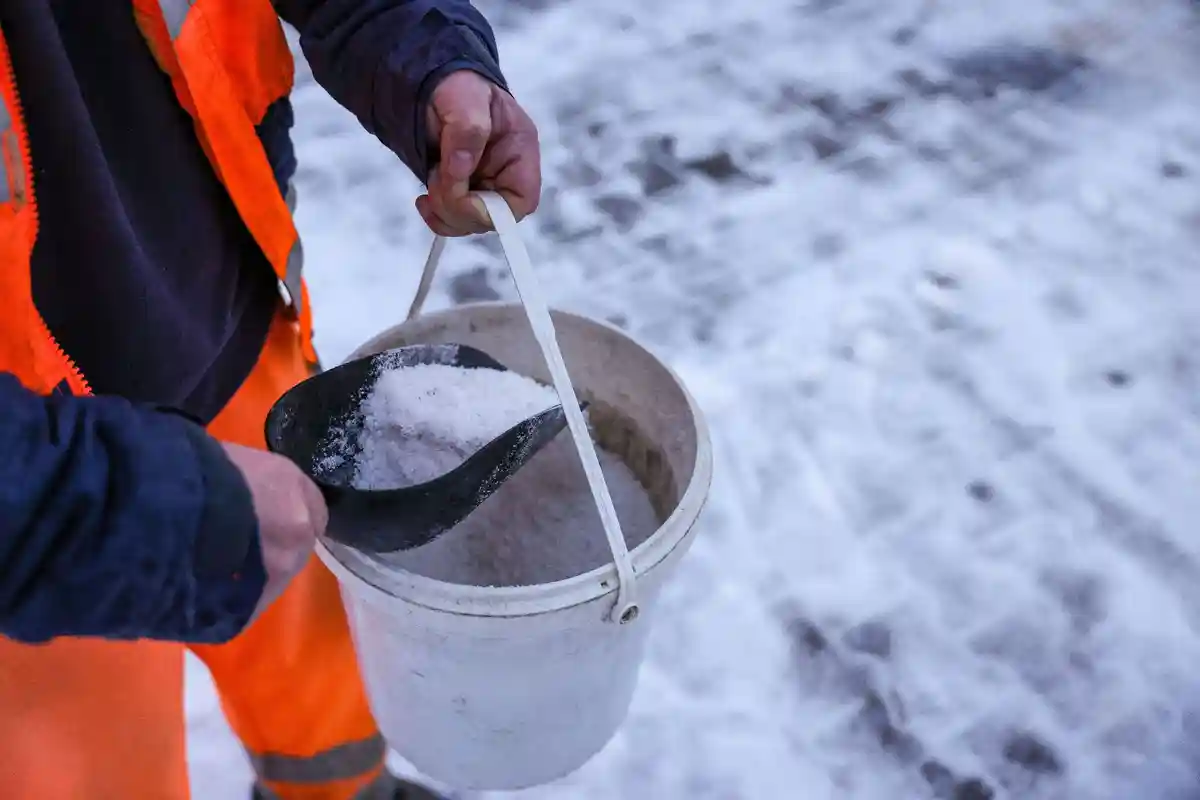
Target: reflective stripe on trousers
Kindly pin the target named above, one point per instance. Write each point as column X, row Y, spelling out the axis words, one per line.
column 382, row 788
column 342, row 763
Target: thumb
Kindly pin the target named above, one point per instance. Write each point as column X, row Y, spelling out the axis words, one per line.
column 466, row 129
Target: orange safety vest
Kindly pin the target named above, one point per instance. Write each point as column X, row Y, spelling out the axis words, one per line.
column 228, row 61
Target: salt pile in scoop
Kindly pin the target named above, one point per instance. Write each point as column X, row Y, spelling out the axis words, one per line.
column 421, row 422
column 541, row 525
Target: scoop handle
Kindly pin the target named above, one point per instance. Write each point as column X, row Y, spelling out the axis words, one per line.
column 626, row 608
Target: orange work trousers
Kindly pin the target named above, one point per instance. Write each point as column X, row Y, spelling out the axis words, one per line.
column 84, row 719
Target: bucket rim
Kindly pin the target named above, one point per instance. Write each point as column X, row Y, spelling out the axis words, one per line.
column 467, row 600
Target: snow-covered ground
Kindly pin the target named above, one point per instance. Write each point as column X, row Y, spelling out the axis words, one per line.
column 933, row 271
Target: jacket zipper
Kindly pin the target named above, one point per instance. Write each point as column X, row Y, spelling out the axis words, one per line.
column 10, row 79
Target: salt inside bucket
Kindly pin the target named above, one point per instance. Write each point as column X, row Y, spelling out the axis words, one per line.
column 514, row 686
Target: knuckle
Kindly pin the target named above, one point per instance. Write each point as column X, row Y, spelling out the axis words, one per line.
column 473, row 129
column 477, row 124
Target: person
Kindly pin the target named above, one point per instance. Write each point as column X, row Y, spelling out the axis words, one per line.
column 151, row 311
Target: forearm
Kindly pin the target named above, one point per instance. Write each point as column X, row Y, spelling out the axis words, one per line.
column 121, row 522
column 381, row 59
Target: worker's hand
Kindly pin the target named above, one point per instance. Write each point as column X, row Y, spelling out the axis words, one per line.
column 291, row 514
column 485, row 141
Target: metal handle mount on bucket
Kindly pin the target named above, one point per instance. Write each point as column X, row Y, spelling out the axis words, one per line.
column 626, row 608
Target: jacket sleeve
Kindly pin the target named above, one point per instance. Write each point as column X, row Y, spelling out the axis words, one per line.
column 121, row 522
column 381, row 60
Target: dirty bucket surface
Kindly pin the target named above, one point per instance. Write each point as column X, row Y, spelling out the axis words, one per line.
column 541, row 526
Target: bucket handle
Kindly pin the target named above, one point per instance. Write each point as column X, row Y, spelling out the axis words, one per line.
column 626, row 608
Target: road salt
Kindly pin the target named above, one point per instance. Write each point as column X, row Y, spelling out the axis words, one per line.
column 420, row 422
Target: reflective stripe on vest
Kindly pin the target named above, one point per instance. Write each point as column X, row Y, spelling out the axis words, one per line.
column 12, row 160
column 341, row 763
column 293, row 277
column 13, row 185
column 174, row 12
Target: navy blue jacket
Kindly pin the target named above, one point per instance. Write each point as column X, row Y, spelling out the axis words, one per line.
column 119, row 516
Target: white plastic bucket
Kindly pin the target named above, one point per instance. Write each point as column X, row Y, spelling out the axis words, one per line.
column 509, row 687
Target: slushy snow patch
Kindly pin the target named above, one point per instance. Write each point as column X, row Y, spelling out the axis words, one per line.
column 421, row 422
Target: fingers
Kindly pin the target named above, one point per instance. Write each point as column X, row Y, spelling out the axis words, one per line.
column 486, row 141
column 512, row 168
column 521, row 186
column 318, row 512
column 440, row 226
column 518, row 156
column 291, row 515
column 514, row 171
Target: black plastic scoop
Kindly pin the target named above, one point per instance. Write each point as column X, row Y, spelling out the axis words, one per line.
column 301, row 423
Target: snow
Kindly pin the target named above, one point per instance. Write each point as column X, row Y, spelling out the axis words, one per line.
column 947, row 343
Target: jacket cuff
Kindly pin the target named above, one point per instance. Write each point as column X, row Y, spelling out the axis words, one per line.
column 228, row 524
column 408, row 78
column 227, row 562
